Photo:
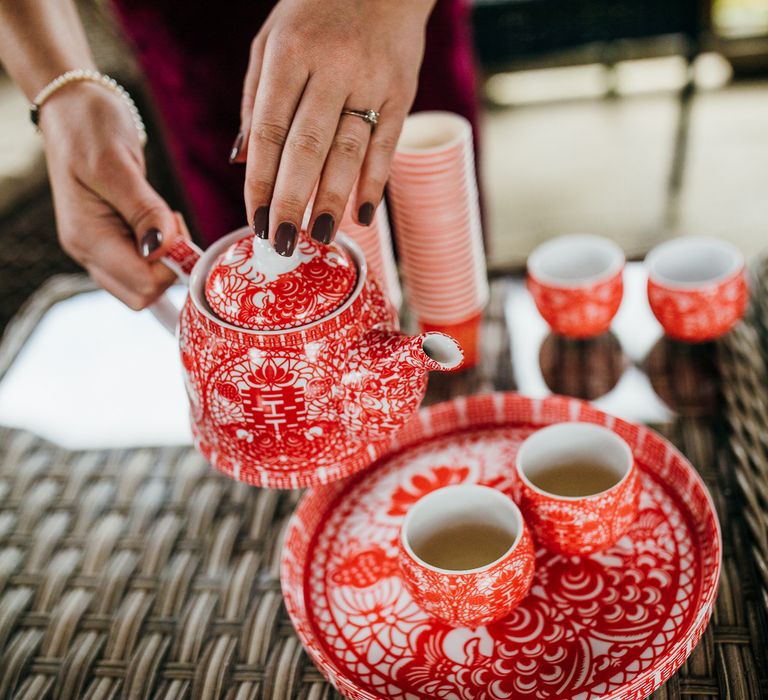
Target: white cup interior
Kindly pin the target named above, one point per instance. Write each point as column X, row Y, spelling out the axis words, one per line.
column 693, row 261
column 426, row 132
column 572, row 442
column 464, row 503
column 575, row 259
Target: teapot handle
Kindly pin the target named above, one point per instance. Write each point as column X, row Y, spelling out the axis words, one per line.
column 180, row 259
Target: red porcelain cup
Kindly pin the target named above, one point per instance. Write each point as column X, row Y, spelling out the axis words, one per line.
column 579, row 524
column 577, row 283
column 697, row 287
column 466, row 597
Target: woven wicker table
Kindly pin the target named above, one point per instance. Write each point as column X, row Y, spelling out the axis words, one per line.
column 142, row 573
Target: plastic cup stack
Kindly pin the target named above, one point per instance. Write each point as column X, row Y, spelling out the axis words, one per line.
column 376, row 243
column 374, row 240
column 436, row 214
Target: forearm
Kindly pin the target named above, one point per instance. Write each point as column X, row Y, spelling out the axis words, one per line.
column 41, row 39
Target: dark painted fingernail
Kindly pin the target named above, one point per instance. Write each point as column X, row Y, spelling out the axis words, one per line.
column 322, row 230
column 365, row 213
column 285, row 239
column 236, row 146
column 261, row 222
column 151, row 241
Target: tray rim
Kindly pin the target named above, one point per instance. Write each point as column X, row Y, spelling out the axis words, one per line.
column 421, row 428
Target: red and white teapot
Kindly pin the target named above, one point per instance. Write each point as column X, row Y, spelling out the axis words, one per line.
column 295, row 369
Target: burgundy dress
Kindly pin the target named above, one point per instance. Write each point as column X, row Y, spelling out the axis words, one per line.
column 195, row 56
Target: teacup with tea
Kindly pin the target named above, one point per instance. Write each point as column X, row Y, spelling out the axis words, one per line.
column 578, row 486
column 466, row 555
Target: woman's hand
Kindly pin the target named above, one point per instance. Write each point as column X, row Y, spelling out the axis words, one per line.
column 108, row 217
column 311, row 59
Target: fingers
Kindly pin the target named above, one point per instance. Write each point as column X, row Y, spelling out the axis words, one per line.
column 109, row 254
column 250, row 86
column 124, row 186
column 125, row 294
column 135, row 299
column 108, row 251
column 375, row 169
column 309, row 141
column 297, row 140
column 278, row 95
column 339, row 174
column 94, row 234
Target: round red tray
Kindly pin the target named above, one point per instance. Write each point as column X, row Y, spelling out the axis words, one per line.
column 612, row 625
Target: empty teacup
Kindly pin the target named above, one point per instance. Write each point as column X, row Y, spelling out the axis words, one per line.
column 578, row 487
column 576, row 282
column 697, row 287
column 466, row 555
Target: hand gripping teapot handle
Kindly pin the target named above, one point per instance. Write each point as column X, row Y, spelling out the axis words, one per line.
column 180, row 259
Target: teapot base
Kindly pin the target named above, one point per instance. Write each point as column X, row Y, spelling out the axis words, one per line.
column 316, row 469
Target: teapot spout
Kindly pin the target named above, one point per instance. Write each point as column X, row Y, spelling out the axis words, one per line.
column 393, row 356
column 386, row 378
column 432, row 351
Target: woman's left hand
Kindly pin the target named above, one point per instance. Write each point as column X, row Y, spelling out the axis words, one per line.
column 311, row 60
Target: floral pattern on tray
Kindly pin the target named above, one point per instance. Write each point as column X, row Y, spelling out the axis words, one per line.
column 614, row 624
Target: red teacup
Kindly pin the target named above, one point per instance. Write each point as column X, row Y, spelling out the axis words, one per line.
column 577, row 524
column 697, row 287
column 576, row 282
column 467, row 597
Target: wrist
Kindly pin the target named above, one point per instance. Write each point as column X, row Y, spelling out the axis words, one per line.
column 84, row 120
column 49, row 72
column 96, row 98
column 72, row 101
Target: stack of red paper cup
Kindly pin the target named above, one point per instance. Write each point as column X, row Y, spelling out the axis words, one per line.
column 436, row 213
column 376, row 243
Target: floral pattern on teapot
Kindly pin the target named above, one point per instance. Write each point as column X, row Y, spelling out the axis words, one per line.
column 289, row 408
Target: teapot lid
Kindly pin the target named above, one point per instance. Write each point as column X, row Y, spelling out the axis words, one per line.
column 251, row 286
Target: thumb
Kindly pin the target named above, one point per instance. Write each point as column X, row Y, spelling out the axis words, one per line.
column 153, row 223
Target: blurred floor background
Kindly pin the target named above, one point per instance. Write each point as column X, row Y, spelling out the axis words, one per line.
column 582, row 104
column 588, row 163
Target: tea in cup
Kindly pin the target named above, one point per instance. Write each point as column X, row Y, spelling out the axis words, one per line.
column 578, row 487
column 466, row 555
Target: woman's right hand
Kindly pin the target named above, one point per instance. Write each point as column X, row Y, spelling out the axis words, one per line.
column 108, row 217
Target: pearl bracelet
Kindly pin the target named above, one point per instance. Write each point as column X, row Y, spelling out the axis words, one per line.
column 93, row 76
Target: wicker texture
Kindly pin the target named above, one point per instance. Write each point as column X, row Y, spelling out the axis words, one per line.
column 143, row 573
column 745, row 385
